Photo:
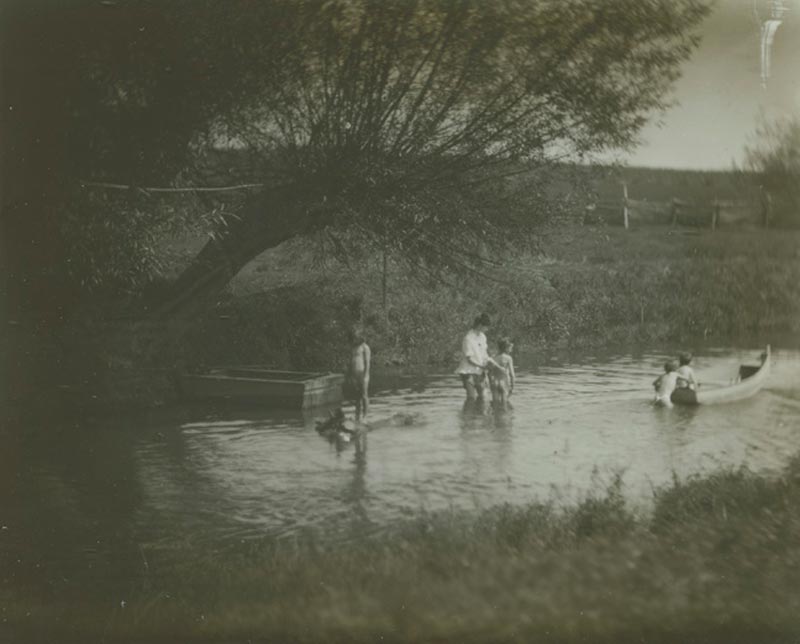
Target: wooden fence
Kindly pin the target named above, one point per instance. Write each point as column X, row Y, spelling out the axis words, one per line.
column 719, row 213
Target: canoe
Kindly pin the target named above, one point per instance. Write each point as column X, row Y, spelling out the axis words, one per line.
column 749, row 380
column 256, row 385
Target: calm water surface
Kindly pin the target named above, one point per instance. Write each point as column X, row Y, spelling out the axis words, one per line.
column 220, row 477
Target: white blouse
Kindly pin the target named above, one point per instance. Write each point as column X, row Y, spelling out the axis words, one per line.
column 474, row 346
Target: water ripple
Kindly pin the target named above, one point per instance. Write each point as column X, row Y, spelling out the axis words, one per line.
column 239, row 475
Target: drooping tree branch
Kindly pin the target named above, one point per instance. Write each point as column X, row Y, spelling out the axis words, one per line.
column 396, row 115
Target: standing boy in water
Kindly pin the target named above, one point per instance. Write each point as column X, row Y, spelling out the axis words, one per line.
column 665, row 384
column 501, row 373
column 358, row 371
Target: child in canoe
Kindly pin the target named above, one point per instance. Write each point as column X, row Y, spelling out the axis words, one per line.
column 665, row 384
column 685, row 372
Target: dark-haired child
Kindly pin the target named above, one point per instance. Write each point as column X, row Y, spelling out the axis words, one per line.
column 501, row 373
column 685, row 372
column 665, row 384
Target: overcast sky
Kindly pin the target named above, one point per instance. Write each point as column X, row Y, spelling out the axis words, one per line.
column 720, row 94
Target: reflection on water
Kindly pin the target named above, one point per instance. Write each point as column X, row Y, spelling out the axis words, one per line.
column 93, row 494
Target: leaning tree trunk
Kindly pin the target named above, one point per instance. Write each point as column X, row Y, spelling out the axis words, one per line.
column 133, row 359
column 267, row 220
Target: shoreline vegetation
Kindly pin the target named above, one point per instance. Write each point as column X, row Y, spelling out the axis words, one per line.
column 574, row 289
column 716, row 561
column 577, row 288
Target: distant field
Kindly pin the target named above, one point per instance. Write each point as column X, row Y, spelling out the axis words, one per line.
column 295, row 263
column 661, row 184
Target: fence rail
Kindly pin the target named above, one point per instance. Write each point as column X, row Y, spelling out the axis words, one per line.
column 629, row 212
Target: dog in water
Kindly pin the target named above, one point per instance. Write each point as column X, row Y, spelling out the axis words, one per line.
column 334, row 427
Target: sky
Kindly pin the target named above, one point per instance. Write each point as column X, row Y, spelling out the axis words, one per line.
column 719, row 97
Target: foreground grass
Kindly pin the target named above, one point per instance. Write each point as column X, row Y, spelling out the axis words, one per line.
column 718, row 560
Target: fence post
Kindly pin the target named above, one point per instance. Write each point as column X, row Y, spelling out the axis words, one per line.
column 625, row 204
column 714, row 215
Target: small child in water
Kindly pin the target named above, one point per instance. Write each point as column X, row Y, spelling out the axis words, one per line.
column 685, row 372
column 501, row 373
column 358, row 372
column 665, row 384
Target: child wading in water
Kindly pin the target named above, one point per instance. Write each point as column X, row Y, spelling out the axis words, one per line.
column 665, row 384
column 358, row 372
column 501, row 373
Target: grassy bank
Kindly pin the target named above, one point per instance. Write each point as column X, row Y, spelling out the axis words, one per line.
column 578, row 287
column 718, row 560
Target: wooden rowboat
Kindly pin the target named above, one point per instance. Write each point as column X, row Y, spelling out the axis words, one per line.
column 256, row 385
column 750, row 379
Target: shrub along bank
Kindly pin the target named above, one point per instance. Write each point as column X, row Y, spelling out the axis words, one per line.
column 580, row 288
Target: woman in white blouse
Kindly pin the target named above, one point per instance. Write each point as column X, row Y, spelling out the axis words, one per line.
column 474, row 358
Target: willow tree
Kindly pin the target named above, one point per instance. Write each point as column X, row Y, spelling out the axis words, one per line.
column 381, row 120
column 377, row 118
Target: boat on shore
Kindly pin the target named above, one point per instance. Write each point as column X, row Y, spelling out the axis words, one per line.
column 257, row 385
column 749, row 381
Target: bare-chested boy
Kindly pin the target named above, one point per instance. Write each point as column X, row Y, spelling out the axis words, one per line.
column 358, row 372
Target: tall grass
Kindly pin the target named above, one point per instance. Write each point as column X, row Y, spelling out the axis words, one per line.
column 583, row 287
column 718, row 560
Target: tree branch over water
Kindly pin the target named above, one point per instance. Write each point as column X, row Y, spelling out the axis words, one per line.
column 355, row 107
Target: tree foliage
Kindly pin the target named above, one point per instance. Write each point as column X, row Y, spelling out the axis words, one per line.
column 393, row 121
column 774, row 161
column 376, row 106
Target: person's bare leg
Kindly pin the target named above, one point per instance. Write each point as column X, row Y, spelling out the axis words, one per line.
column 470, row 388
column 359, row 401
column 497, row 395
